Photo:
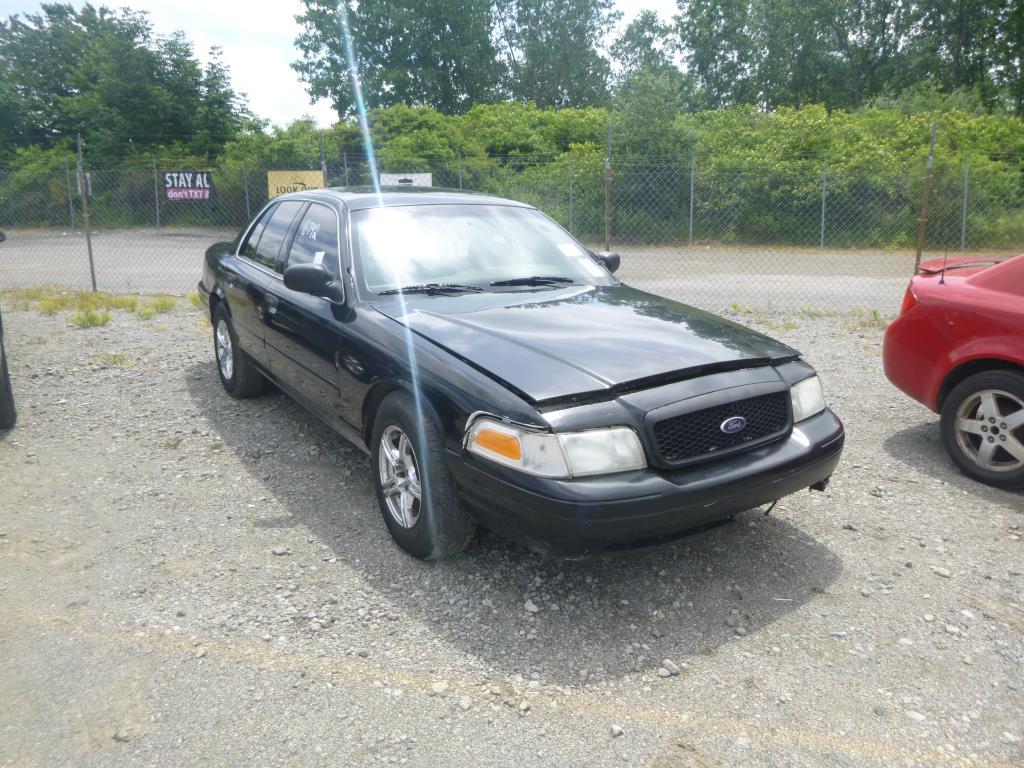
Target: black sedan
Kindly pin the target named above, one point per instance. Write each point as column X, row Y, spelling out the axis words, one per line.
column 497, row 373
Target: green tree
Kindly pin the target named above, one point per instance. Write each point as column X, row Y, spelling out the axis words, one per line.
column 551, row 47
column 105, row 74
column 436, row 53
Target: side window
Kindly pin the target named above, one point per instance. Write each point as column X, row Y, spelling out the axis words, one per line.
column 316, row 239
column 275, row 233
column 249, row 247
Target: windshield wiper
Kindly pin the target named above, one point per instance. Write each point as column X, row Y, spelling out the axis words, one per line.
column 432, row 288
column 534, row 280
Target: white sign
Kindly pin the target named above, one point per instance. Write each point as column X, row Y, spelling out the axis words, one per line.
column 407, row 179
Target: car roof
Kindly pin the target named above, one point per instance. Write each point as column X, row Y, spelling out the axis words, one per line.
column 356, row 198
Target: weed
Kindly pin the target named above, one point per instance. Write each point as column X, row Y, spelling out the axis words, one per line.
column 112, row 359
column 90, row 318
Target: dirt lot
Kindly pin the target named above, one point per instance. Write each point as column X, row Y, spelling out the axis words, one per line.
column 190, row 580
column 710, row 276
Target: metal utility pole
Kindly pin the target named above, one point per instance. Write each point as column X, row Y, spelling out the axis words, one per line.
column 84, row 187
column 925, row 193
column 156, row 192
column 608, row 192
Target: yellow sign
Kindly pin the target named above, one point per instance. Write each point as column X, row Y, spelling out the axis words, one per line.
column 282, row 182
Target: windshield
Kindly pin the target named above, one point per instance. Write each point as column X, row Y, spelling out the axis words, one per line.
column 474, row 245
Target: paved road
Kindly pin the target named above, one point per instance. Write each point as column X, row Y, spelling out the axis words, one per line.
column 713, row 277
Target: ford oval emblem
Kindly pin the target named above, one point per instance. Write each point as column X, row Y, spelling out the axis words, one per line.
column 733, row 424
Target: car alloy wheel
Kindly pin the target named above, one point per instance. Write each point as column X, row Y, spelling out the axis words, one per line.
column 989, row 430
column 399, row 477
column 225, row 354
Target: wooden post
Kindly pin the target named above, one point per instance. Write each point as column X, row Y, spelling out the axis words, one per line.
column 926, row 191
column 83, row 189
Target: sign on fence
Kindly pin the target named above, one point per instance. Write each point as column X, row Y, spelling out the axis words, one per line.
column 188, row 185
column 282, row 182
column 407, row 179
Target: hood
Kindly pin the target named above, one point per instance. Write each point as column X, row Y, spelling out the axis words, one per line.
column 583, row 340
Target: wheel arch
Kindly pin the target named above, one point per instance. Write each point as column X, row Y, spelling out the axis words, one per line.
column 372, row 401
column 970, row 368
column 216, row 298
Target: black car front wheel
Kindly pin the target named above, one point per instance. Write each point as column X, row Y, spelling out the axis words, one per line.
column 7, row 413
column 415, row 489
column 237, row 372
column 983, row 427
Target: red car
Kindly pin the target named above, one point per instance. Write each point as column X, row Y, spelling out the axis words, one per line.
column 958, row 347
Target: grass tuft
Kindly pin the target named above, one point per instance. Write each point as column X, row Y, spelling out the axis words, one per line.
column 115, row 359
column 90, row 318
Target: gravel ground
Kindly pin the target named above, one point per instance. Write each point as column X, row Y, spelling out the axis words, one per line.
column 190, row 580
column 713, row 277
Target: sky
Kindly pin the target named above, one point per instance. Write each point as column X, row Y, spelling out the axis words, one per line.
column 258, row 44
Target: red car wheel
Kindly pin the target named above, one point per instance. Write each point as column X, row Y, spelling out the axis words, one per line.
column 983, row 427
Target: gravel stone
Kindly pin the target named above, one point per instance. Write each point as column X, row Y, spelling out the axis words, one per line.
column 138, row 588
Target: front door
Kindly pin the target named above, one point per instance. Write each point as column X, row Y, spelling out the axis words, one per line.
column 302, row 329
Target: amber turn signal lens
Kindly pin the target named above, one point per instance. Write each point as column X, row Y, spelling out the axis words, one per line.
column 500, row 443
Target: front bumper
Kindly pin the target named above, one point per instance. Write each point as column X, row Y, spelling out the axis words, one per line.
column 568, row 518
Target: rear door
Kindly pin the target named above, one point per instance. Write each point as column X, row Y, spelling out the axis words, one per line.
column 244, row 289
column 303, row 329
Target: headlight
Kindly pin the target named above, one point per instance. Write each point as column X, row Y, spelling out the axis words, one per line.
column 569, row 454
column 807, row 398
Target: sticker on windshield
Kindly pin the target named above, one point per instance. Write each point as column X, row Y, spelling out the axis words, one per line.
column 318, row 257
column 591, row 266
column 569, row 249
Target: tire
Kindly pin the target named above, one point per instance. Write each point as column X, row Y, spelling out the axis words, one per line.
column 988, row 447
column 237, row 372
column 7, row 413
column 432, row 525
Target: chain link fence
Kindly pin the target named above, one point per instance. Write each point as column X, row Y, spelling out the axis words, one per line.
column 701, row 229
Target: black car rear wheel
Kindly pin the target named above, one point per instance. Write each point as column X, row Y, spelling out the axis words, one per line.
column 237, row 372
column 983, row 427
column 415, row 489
column 7, row 413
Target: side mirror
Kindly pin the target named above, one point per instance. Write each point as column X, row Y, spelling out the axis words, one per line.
column 610, row 259
column 313, row 279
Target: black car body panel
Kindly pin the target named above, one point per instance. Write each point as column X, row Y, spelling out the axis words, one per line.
column 583, row 341
column 562, row 358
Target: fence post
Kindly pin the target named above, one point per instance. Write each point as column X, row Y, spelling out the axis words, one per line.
column 71, row 203
column 344, row 162
column 460, row 171
column 245, row 188
column 925, row 193
column 824, row 192
column 693, row 169
column 156, row 192
column 570, row 193
column 83, row 189
column 608, row 192
column 963, row 212
column 323, row 159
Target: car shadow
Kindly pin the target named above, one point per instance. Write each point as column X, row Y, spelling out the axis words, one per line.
column 595, row 619
column 920, row 448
